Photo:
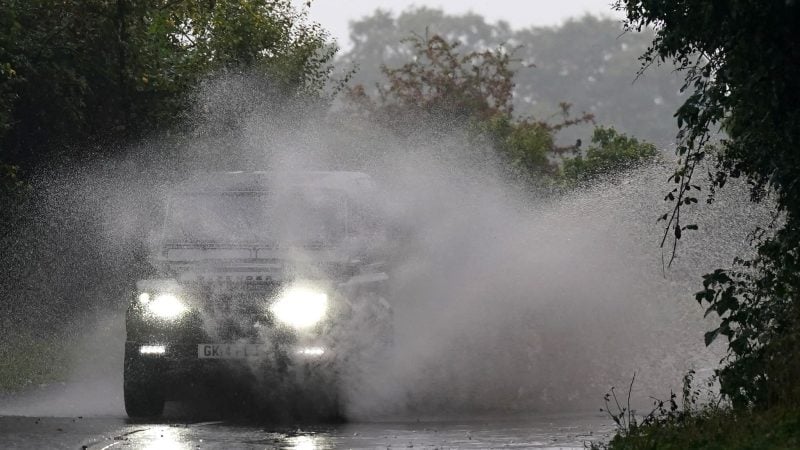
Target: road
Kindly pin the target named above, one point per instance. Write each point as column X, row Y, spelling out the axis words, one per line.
column 551, row 432
column 90, row 415
column 88, row 412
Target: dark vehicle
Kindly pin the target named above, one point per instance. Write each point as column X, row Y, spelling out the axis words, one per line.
column 272, row 280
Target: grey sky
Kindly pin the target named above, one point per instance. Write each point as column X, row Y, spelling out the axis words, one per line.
column 334, row 15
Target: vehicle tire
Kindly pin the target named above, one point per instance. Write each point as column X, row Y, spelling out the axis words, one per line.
column 317, row 398
column 327, row 403
column 143, row 390
column 331, row 410
column 325, row 406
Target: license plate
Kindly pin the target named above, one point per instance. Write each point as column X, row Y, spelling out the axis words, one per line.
column 231, row 351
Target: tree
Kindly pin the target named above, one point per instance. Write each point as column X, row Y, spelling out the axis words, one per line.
column 438, row 82
column 611, row 152
column 440, row 90
column 379, row 39
column 448, row 89
column 740, row 64
column 587, row 62
column 77, row 72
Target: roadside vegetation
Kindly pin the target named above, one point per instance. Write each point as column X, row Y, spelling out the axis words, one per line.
column 714, row 429
column 698, row 418
column 30, row 360
column 739, row 61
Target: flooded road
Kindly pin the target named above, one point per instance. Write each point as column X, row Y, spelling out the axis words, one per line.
column 88, row 412
column 564, row 432
column 571, row 431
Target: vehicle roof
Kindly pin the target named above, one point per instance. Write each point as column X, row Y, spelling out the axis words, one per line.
column 353, row 183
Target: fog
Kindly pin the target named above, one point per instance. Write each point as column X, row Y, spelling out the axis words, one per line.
column 506, row 300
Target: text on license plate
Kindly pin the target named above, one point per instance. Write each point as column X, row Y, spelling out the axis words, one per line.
column 230, row 351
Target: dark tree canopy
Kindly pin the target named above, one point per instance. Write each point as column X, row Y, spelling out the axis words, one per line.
column 81, row 70
column 740, row 60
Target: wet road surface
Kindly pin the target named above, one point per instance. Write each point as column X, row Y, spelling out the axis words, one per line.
column 562, row 431
column 90, row 415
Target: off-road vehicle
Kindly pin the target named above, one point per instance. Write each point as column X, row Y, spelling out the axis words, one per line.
column 271, row 279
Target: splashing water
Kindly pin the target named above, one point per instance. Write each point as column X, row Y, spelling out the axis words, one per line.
column 505, row 299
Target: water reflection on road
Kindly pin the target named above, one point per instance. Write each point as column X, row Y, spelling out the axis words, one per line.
column 571, row 431
column 61, row 417
column 565, row 432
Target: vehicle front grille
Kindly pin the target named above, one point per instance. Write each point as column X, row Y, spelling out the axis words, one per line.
column 234, row 311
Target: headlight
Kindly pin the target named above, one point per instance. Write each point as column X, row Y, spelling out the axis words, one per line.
column 163, row 306
column 300, row 307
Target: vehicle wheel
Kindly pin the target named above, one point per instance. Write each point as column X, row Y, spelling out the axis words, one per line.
column 327, row 405
column 143, row 391
column 324, row 407
column 317, row 399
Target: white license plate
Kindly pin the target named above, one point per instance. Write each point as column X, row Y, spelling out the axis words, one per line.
column 231, row 351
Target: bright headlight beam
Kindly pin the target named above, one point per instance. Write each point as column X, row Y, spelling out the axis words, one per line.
column 152, row 349
column 166, row 306
column 300, row 307
column 311, row 351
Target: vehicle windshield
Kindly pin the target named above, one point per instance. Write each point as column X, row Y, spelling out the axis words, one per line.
column 317, row 216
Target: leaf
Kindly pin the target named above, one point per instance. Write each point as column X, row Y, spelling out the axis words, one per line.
column 711, row 336
column 707, row 295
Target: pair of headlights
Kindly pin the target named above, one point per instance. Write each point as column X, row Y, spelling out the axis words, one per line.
column 299, row 307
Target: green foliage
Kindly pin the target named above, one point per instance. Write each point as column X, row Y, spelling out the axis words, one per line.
column 612, row 152
column 524, row 145
column 10, row 184
column 265, row 34
column 76, row 72
column 685, row 422
column 716, row 429
column 12, row 191
column 740, row 64
column 30, row 360
column 445, row 89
